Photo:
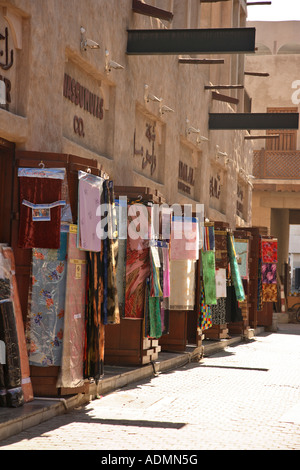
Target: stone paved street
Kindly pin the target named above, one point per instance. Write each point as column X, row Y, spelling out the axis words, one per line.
column 246, row 397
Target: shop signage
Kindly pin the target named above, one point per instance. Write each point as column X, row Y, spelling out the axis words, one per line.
column 185, row 177
column 85, row 99
column 215, row 186
column 6, row 62
column 148, row 155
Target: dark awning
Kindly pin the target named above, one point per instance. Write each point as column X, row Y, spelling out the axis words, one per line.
column 191, row 41
column 253, row 121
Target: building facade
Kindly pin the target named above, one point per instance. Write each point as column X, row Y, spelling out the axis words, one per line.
column 71, row 88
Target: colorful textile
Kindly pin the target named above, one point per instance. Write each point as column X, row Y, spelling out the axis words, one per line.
column 25, row 369
column 154, row 317
column 209, row 276
column 235, row 273
column 221, row 249
column 47, row 305
column 208, row 238
column 221, row 283
column 269, row 251
column 155, row 270
column 259, row 276
column 184, row 238
column 241, row 248
column 218, row 312
column 233, row 311
column 40, row 207
column 182, row 284
column 137, row 272
column 205, row 318
column 90, row 188
column 111, row 245
column 71, row 370
column 94, row 326
column 269, row 273
column 269, row 292
column 121, row 262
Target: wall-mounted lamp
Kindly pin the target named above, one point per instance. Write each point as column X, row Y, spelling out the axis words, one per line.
column 165, row 109
column 110, row 64
column 85, row 42
column 229, row 160
column 193, row 130
column 219, row 153
column 148, row 96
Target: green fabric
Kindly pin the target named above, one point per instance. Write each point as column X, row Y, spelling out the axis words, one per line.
column 209, row 276
column 235, row 272
column 154, row 317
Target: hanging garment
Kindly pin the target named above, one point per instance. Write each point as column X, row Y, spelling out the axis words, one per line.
column 269, row 293
column 233, row 311
column 137, row 271
column 205, row 317
column 269, row 273
column 40, row 207
column 71, row 370
column 90, row 189
column 259, row 278
column 184, row 238
column 46, row 306
column 156, row 278
column 218, row 312
column 182, row 284
column 269, row 250
column 121, row 262
column 221, row 283
column 208, row 237
column 94, row 325
column 235, row 273
column 110, row 254
column 25, row 369
column 241, row 248
column 209, row 276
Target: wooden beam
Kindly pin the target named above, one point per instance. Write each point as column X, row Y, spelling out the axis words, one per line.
column 148, row 10
column 248, row 121
column 249, row 4
column 191, row 41
column 223, row 87
column 257, row 74
column 253, row 137
column 201, row 61
column 227, row 99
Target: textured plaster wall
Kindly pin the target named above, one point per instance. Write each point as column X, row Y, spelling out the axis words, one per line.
column 51, row 48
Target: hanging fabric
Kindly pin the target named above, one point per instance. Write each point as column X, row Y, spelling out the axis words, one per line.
column 209, row 276
column 235, row 273
column 218, row 312
column 110, row 248
column 25, row 369
column 269, row 250
column 90, row 189
column 184, row 238
column 221, row 249
column 221, row 283
column 241, row 248
column 233, row 311
column 40, row 207
column 182, row 284
column 259, row 277
column 137, row 270
column 208, row 237
column 46, row 306
column 94, row 325
column 71, row 370
column 121, row 261
column 205, row 317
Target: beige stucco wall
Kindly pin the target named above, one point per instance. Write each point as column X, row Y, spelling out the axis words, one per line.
column 41, row 118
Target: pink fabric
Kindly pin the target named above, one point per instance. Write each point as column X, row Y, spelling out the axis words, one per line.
column 90, row 191
column 184, row 239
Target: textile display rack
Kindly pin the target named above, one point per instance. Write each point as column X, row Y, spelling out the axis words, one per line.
column 129, row 342
column 52, row 273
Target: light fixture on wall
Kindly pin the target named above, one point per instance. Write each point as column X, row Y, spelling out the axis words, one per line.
column 149, row 96
column 85, row 42
column 229, row 160
column 219, row 153
column 193, row 130
column 165, row 109
column 111, row 64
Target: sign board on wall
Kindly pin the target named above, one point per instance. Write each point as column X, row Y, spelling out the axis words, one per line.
column 7, row 66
